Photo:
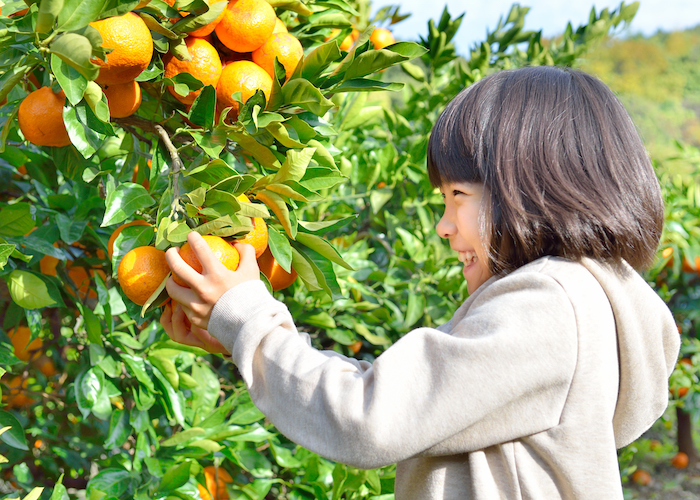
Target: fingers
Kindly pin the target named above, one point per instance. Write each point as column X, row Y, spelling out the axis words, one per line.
column 203, row 252
column 246, row 251
column 179, row 293
column 181, row 268
column 248, row 266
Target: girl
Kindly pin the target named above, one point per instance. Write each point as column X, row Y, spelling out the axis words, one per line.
column 561, row 353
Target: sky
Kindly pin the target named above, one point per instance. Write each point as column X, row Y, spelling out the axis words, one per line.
column 549, row 15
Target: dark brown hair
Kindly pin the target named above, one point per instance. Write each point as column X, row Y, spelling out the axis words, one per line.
column 561, row 162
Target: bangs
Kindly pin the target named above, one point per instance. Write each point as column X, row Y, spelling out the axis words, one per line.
column 454, row 146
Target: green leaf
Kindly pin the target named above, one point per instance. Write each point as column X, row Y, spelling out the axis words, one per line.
column 323, row 270
column 76, row 14
column 324, row 248
column 110, row 482
column 279, row 207
column 15, row 435
column 294, row 166
column 123, row 201
column 294, row 5
column 261, row 153
column 166, row 366
column 175, row 476
column 301, row 92
column 212, row 142
column 203, row 108
column 76, row 50
column 72, row 82
column 16, row 220
column 119, row 429
column 92, row 324
column 319, row 59
column 184, row 436
column 28, row 290
column 280, row 248
column 367, row 85
column 11, row 78
column 322, row 227
column 6, row 250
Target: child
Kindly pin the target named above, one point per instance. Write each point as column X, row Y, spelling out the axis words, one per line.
column 561, row 353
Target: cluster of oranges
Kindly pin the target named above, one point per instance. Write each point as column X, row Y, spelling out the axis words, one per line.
column 28, row 352
column 143, row 269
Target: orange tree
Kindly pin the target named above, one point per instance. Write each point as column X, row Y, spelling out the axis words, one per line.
column 128, row 414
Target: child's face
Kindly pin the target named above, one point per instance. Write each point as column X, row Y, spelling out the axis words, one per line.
column 461, row 225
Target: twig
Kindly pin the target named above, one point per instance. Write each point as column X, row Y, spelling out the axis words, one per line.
column 176, row 166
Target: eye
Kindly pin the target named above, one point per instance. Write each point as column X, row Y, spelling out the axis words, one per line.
column 457, row 192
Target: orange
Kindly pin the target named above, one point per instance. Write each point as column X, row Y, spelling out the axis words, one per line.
column 381, row 37
column 279, row 26
column 113, row 237
column 347, row 41
column 258, row 235
column 216, row 480
column 141, row 272
column 209, row 28
column 131, row 40
column 81, row 277
column 40, row 118
column 278, row 277
column 48, row 264
column 245, row 77
column 283, row 46
column 16, row 398
column 222, row 250
column 123, row 99
column 134, row 176
column 641, row 477
column 246, row 24
column 20, row 341
column 680, row 460
column 205, row 66
column 687, row 267
column 45, row 365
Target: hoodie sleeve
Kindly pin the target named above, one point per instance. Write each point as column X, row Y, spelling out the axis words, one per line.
column 512, row 354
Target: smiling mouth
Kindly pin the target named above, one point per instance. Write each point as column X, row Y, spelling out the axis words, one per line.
column 467, row 258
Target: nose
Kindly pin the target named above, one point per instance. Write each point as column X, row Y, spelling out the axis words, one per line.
column 445, row 228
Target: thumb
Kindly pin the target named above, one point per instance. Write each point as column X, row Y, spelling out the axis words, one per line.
column 247, row 255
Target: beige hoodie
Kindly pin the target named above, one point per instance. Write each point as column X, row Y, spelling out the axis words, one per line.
column 524, row 394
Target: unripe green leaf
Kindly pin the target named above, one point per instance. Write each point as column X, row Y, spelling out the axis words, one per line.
column 48, row 12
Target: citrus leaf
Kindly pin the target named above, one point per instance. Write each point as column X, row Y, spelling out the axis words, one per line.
column 261, row 153
column 203, row 108
column 193, row 22
column 48, row 12
column 156, row 27
column 70, row 80
column 212, row 142
column 280, row 248
column 323, row 270
column 97, row 101
column 287, row 191
column 294, row 166
column 15, row 435
column 11, row 78
column 301, row 92
column 323, row 247
column 6, row 250
column 279, row 207
column 123, row 201
column 184, row 436
column 322, row 227
column 16, row 220
column 28, row 290
column 76, row 50
column 175, row 476
column 319, row 59
column 280, row 132
column 367, row 85
column 76, row 14
column 293, row 5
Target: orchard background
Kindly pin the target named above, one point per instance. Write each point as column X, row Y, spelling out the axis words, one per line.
column 327, row 148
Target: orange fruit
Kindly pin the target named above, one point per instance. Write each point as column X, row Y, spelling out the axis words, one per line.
column 131, row 40
column 216, row 480
column 257, row 236
column 134, row 176
column 686, row 361
column 356, row 346
column 279, row 27
column 347, row 41
column 245, row 77
column 24, row 349
column 687, row 267
column 123, row 99
column 278, row 277
column 283, row 46
column 246, row 24
column 48, row 264
column 654, row 444
column 45, row 365
column 641, row 477
column 40, row 118
column 205, row 66
column 680, row 460
column 16, row 398
column 209, row 28
column 678, row 391
column 81, row 277
column 141, row 272
column 113, row 237
column 381, row 37
column 222, row 250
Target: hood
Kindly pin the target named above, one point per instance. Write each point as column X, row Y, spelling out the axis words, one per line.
column 648, row 344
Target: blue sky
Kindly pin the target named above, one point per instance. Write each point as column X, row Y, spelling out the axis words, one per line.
column 549, row 15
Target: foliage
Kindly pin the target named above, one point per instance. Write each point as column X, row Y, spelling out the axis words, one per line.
column 129, row 413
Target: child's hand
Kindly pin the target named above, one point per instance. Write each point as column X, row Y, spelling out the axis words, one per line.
column 179, row 329
column 205, row 289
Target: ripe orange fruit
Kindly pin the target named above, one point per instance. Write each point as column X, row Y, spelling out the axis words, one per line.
column 246, row 24
column 81, row 277
column 205, row 66
column 678, row 391
column 687, row 267
column 278, row 277
column 24, row 349
column 46, row 366
column 381, row 37
column 279, row 27
column 686, row 361
column 356, row 346
column 680, row 460
column 222, row 250
column 641, row 477
column 123, row 99
column 16, row 397
column 347, row 41
column 113, row 237
column 209, row 28
column 141, row 272
column 245, row 77
column 131, row 40
column 216, row 480
column 258, row 236
column 40, row 118
column 284, row 47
